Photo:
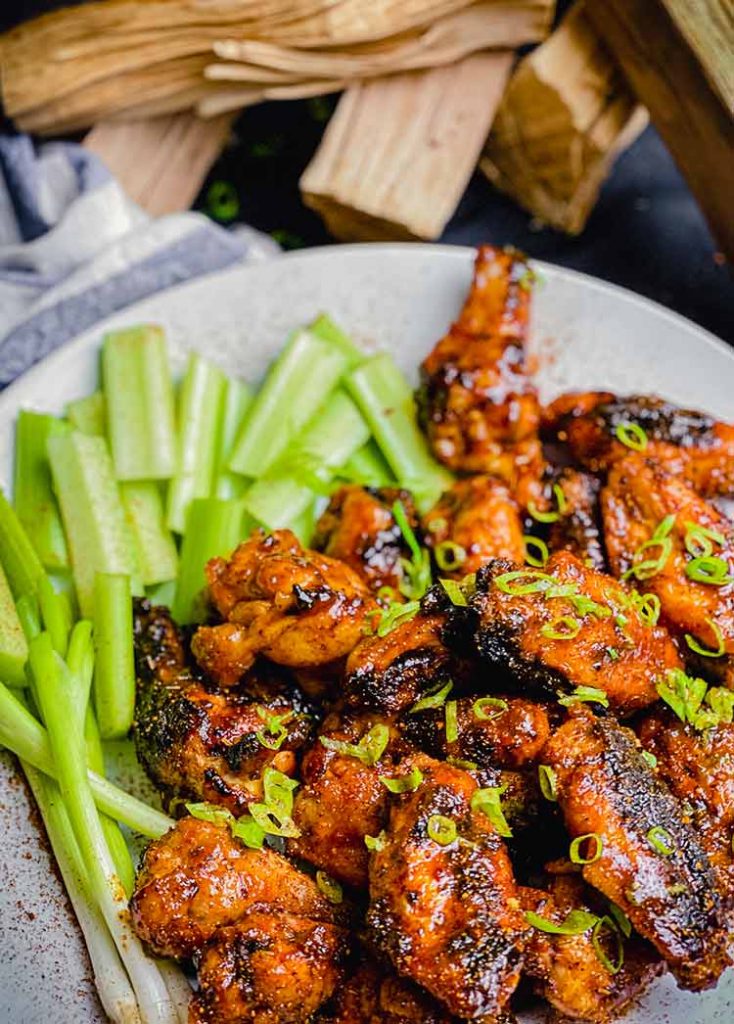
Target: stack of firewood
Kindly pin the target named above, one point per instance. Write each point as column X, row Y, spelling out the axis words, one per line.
column 431, row 88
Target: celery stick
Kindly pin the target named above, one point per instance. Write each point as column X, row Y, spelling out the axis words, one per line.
column 162, row 593
column 238, row 398
column 114, row 668
column 33, row 495
column 115, row 839
column 325, row 328
column 213, row 527
column 17, row 555
column 336, row 431
column 367, row 467
column 156, row 549
column 13, row 643
column 89, row 415
column 199, row 418
column 387, row 403
column 55, row 613
column 297, row 384
column 305, row 524
column 93, row 516
column 138, row 392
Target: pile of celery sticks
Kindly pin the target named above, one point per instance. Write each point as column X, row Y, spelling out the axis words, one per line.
column 131, row 493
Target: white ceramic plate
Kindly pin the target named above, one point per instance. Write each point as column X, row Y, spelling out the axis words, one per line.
column 400, row 297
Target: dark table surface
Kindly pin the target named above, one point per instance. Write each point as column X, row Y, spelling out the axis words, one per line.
column 646, row 232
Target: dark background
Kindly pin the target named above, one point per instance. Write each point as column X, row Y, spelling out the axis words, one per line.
column 646, row 232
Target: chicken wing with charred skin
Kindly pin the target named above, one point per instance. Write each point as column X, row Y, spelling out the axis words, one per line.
column 578, row 526
column 643, row 854
column 198, row 878
column 565, row 626
column 359, row 528
column 477, row 404
column 444, row 905
column 198, row 743
column 641, row 500
column 297, row 607
column 506, row 732
column 342, row 799
column 699, row 769
column 690, row 444
column 479, row 520
column 566, row 969
column 268, row 969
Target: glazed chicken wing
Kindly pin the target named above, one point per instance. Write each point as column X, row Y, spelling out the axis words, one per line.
column 566, row 969
column 699, row 769
column 478, row 406
column 359, row 528
column 342, row 799
column 688, row 443
column 268, row 969
column 197, row 743
column 296, row 607
column 444, row 904
column 478, row 516
column 578, row 527
column 197, row 879
column 567, row 626
column 645, row 854
column 641, row 499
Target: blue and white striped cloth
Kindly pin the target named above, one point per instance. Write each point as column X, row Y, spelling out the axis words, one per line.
column 74, row 248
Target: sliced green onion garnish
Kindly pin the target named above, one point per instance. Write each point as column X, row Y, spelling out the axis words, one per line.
column 248, row 830
column 272, row 824
column 488, row 801
column 664, row 527
column 386, row 594
column 548, row 780
column 433, row 700
column 708, row 652
column 449, row 556
column 210, row 812
column 613, row 653
column 441, row 830
column 487, row 708
column 404, row 783
column 437, row 525
column 278, row 791
column 564, row 628
column 370, row 748
column 632, row 435
column 452, row 724
column 621, row 920
column 550, row 517
column 661, row 840
column 454, row 593
column 698, row 540
column 649, row 567
column 416, row 570
column 275, row 732
column 613, row 966
column 523, row 581
column 576, row 923
column 535, row 544
column 329, row 887
column 592, row 854
column 682, row 693
column 650, row 758
column 387, row 619
column 647, row 607
column 376, row 843
column 460, row 762
column 709, row 569
column 588, row 694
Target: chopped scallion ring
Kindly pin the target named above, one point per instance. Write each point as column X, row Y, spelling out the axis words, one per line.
column 480, row 708
column 449, row 556
column 661, row 840
column 564, row 628
column 387, row 594
column 647, row 607
column 632, row 436
column 376, row 843
column 488, row 801
column 612, row 966
column 650, row 758
column 329, row 887
column 698, row 540
column 436, row 699
column 459, row 762
column 455, row 594
column 548, row 780
column 584, row 694
column 370, row 748
column 535, row 582
column 649, row 567
column 576, row 923
column 540, row 547
column 709, row 569
column 405, row 783
column 275, row 732
column 592, row 855
column 393, row 615
column 621, row 920
column 550, row 517
column 417, row 569
column 707, row 652
column 437, row 525
column 452, row 723
column 441, row 830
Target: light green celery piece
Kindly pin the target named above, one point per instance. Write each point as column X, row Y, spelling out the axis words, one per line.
column 114, row 667
column 156, row 548
column 305, row 525
column 88, row 414
column 325, row 328
column 115, row 839
column 33, row 494
column 238, row 397
column 336, row 431
column 17, row 555
column 213, row 528
column 199, row 419
column 162, row 593
column 92, row 511
column 387, row 403
column 368, row 467
column 304, row 374
column 139, row 396
column 13, row 644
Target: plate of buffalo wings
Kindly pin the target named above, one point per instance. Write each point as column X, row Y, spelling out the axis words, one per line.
column 368, row 653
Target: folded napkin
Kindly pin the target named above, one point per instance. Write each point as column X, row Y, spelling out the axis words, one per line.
column 74, row 248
